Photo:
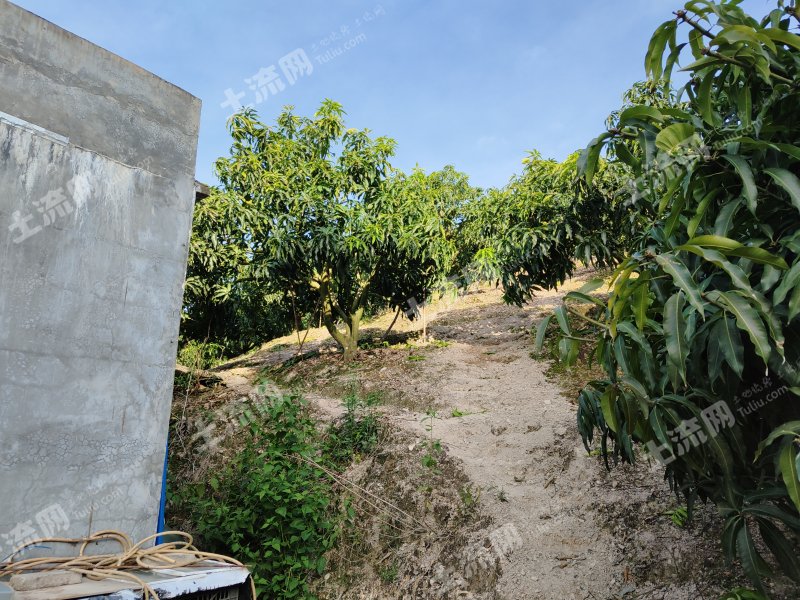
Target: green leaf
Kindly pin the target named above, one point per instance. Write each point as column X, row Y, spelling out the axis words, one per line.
column 749, row 189
column 636, row 387
column 752, row 562
column 541, row 330
column 660, row 429
column 741, row 281
column 744, row 106
column 672, row 59
column 737, row 275
column 695, row 221
column 696, row 43
column 727, row 337
column 641, row 301
column 747, row 319
column 625, row 156
column 669, row 194
column 640, row 112
column 731, row 247
column 717, row 242
column 683, row 279
column 629, row 411
column 621, row 354
column 772, row 511
column 788, row 467
column 797, row 462
column 608, row 406
column 729, row 534
column 783, row 37
column 655, row 52
column 635, row 335
column 722, row 453
column 769, row 277
column 587, row 163
column 675, row 334
column 794, row 304
column 780, row 548
column 706, row 61
column 788, row 181
column 592, row 285
column 586, row 298
column 674, row 216
column 789, row 281
column 790, row 428
column 568, row 350
column 760, row 256
column 705, row 101
column 673, row 136
column 715, row 359
column 563, row 320
column 742, row 33
column 789, row 149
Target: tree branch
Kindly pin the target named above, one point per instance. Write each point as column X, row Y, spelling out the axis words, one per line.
column 794, row 11
column 681, row 14
column 363, row 289
column 325, row 293
column 386, row 333
column 327, row 319
column 585, row 318
column 733, row 61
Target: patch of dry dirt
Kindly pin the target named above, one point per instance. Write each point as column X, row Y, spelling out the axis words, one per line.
column 417, row 531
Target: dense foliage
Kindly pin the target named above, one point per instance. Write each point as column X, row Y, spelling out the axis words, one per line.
column 312, row 222
column 699, row 338
column 530, row 233
column 272, row 505
column 269, row 506
column 225, row 305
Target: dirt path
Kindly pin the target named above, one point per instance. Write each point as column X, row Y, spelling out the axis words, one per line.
column 518, row 442
column 571, row 530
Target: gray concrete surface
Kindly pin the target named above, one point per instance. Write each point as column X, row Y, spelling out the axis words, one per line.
column 96, row 195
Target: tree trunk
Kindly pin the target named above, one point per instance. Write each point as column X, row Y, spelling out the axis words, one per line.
column 347, row 339
column 350, row 350
column 351, row 346
column 296, row 324
column 424, row 323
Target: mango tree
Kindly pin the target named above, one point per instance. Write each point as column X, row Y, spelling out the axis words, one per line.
column 425, row 250
column 700, row 340
column 336, row 230
column 530, row 233
column 223, row 304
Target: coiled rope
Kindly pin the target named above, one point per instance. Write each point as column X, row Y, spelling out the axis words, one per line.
column 132, row 557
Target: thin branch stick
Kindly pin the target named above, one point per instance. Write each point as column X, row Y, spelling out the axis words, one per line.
column 386, row 333
column 681, row 14
column 585, row 318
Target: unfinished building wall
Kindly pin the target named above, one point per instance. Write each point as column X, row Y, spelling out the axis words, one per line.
column 96, row 196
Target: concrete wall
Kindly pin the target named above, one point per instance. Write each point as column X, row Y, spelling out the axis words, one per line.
column 96, row 195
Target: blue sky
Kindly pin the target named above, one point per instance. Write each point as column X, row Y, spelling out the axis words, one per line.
column 462, row 82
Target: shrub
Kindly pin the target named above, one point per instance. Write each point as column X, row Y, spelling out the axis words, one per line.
column 356, row 433
column 200, row 355
column 269, row 506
